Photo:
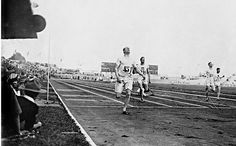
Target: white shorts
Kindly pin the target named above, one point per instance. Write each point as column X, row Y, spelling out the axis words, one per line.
column 126, row 83
column 210, row 82
column 143, row 81
column 135, row 77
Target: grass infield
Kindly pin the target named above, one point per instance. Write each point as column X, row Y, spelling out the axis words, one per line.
column 58, row 128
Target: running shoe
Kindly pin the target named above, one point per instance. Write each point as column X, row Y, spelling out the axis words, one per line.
column 125, row 113
column 37, row 125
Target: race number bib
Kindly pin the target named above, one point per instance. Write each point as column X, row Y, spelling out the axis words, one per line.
column 209, row 74
column 126, row 69
column 142, row 69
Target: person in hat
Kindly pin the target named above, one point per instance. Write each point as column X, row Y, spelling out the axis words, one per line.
column 10, row 106
column 30, row 90
column 13, row 81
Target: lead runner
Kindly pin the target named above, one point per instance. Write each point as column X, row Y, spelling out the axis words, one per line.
column 124, row 71
column 210, row 84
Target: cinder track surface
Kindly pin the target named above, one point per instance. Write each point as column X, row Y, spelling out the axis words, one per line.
column 172, row 116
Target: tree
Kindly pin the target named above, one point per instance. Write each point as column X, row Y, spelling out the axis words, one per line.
column 18, row 56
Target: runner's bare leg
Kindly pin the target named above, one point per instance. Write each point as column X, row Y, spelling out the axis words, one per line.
column 142, row 90
column 207, row 92
column 218, row 92
column 127, row 99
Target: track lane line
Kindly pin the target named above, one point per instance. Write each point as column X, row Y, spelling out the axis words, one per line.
column 198, row 107
column 186, row 103
column 193, row 94
column 203, row 102
column 82, row 100
column 150, row 107
column 95, row 93
column 66, row 90
column 96, row 88
column 155, row 97
column 138, row 107
column 76, row 95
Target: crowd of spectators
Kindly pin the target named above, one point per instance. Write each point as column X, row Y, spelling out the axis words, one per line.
column 20, row 86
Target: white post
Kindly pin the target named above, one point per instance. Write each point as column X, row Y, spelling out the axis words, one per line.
column 48, row 87
column 48, row 69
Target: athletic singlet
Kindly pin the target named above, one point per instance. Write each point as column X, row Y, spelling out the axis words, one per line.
column 210, row 73
column 218, row 77
column 143, row 68
column 125, row 66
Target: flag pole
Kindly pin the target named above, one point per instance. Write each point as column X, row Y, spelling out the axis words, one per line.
column 48, row 69
column 49, row 47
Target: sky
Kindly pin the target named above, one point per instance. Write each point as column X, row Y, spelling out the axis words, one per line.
column 180, row 36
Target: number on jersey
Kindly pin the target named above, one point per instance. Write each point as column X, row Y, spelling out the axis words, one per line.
column 142, row 69
column 126, row 69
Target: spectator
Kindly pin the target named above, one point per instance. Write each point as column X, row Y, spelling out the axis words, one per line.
column 10, row 107
column 13, row 81
column 30, row 89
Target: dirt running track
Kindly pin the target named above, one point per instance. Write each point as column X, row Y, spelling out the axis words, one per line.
column 149, row 123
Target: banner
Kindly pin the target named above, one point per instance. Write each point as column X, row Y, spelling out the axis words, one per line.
column 153, row 69
column 108, row 67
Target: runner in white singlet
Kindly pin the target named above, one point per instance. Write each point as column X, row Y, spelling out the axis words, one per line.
column 218, row 82
column 210, row 84
column 143, row 83
column 124, row 71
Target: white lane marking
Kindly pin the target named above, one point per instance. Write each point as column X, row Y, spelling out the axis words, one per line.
column 77, row 95
column 87, row 137
column 193, row 94
column 197, row 101
column 154, row 102
column 146, row 107
column 97, row 106
column 156, row 97
column 231, row 107
column 67, row 90
column 95, row 93
column 69, row 95
column 74, row 99
column 90, row 100
column 176, row 98
column 157, row 103
column 149, row 107
column 230, row 99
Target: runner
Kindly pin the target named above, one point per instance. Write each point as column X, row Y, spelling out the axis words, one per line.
column 210, row 85
column 218, row 82
column 124, row 71
column 143, row 83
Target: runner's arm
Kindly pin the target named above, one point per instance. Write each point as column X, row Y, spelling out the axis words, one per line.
column 116, row 71
column 138, row 71
column 149, row 79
